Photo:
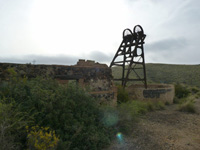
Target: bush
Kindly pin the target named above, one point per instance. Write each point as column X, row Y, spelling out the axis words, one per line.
column 122, row 95
column 181, row 91
column 41, row 138
column 195, row 90
column 69, row 111
column 185, row 98
column 12, row 123
column 6, row 138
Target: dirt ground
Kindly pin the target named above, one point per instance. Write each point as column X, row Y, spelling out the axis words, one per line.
column 167, row 129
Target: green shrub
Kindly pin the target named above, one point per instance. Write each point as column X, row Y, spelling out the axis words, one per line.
column 185, row 98
column 195, row 90
column 6, row 119
column 181, row 91
column 12, row 124
column 68, row 110
column 122, row 95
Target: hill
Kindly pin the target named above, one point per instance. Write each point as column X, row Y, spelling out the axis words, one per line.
column 168, row 73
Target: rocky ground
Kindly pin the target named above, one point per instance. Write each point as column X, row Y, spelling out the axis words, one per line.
column 167, row 129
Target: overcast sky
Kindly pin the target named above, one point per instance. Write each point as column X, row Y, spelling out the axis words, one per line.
column 63, row 31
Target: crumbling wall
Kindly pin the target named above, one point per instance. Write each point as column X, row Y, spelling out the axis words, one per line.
column 97, row 78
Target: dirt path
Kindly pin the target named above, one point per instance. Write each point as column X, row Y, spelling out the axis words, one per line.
column 168, row 129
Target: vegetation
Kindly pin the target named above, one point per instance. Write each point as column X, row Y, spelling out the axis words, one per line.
column 185, row 97
column 72, row 117
column 41, row 138
column 129, row 110
column 188, row 106
column 11, row 123
column 181, row 91
column 42, row 114
column 122, row 95
column 165, row 73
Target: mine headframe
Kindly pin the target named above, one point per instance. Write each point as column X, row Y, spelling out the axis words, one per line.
column 130, row 57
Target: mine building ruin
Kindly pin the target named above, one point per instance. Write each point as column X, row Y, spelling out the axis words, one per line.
column 98, row 77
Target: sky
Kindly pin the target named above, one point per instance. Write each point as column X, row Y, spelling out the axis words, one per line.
column 63, row 31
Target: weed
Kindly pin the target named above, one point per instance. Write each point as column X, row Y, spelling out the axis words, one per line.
column 187, row 107
column 150, row 106
column 159, row 106
column 131, row 110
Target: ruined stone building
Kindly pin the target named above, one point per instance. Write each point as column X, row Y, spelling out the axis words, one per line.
column 96, row 77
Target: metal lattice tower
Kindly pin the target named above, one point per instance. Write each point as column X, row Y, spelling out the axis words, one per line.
column 130, row 56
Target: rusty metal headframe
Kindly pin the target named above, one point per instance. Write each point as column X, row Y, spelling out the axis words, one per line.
column 130, row 56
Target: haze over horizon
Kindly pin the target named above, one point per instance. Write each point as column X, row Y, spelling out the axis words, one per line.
column 63, row 31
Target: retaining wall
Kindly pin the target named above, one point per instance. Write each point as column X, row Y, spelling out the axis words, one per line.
column 154, row 92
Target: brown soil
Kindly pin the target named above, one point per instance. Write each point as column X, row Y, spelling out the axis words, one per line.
column 168, row 129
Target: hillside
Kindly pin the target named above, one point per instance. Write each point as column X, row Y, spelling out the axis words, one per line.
column 165, row 73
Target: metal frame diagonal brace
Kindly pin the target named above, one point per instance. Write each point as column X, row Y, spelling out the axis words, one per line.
column 130, row 57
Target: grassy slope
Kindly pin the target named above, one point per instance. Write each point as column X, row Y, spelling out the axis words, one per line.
column 165, row 73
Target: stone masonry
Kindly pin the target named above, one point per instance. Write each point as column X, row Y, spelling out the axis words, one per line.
column 88, row 74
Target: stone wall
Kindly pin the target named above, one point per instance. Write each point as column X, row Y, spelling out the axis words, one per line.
column 88, row 74
column 154, row 92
